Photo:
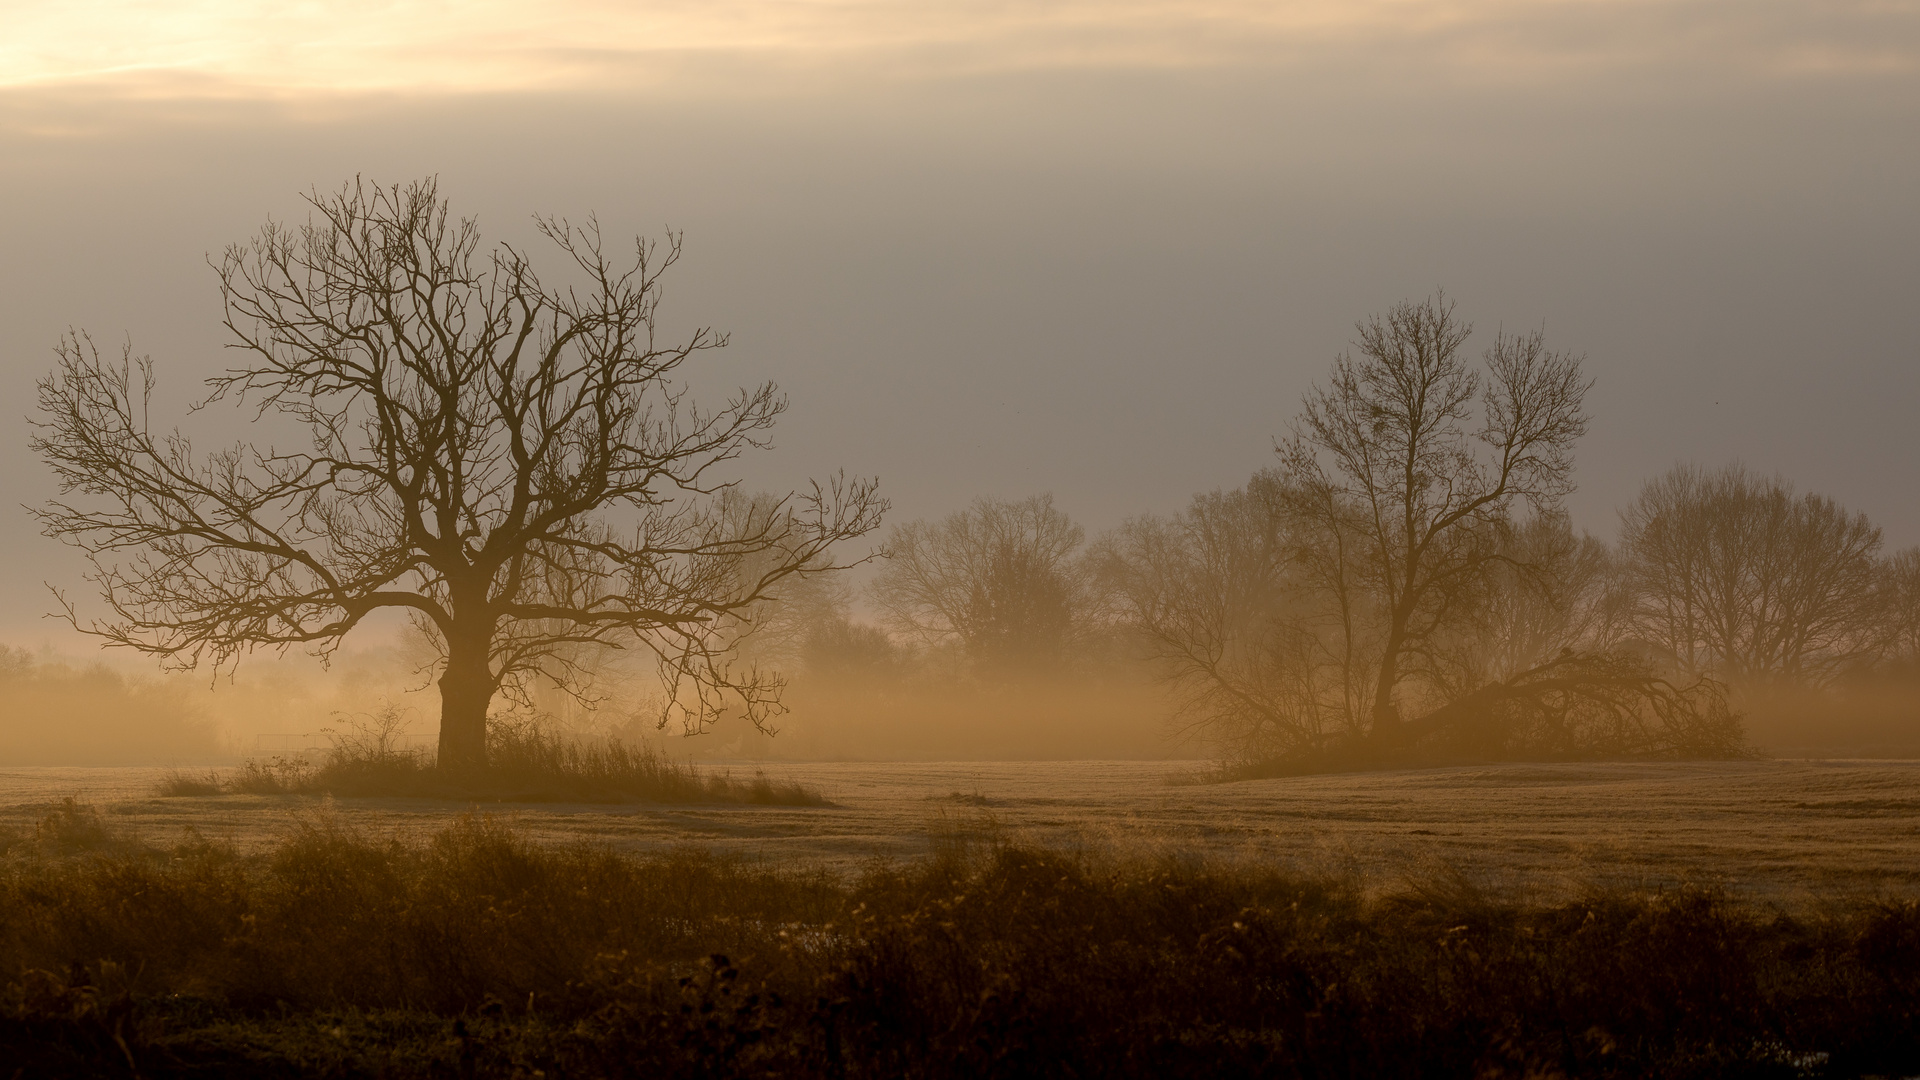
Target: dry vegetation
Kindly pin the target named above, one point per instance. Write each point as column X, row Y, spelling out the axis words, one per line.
column 475, row 952
column 525, row 764
column 1779, row 832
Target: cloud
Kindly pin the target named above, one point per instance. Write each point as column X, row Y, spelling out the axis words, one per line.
column 273, row 49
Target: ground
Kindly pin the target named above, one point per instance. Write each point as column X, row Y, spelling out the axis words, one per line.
column 1779, row 831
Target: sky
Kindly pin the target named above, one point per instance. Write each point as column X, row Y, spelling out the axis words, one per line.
column 988, row 248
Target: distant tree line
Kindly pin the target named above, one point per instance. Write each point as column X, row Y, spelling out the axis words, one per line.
column 62, row 713
column 1404, row 581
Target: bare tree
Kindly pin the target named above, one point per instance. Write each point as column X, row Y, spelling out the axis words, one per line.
column 1409, row 460
column 1735, row 574
column 1226, row 602
column 1000, row 578
column 513, row 464
column 1901, row 587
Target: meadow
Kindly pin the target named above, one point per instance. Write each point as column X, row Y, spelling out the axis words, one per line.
column 1775, row 830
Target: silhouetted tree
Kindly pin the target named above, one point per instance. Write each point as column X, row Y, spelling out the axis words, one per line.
column 999, row 577
column 1735, row 574
column 1223, row 603
column 1387, row 560
column 512, row 463
column 1409, row 460
column 1901, row 586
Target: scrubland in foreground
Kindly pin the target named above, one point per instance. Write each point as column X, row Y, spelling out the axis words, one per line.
column 478, row 953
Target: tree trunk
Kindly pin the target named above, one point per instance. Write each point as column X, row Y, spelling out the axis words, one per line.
column 1386, row 716
column 466, row 690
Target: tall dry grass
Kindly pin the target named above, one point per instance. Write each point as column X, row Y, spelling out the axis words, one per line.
column 477, row 953
column 525, row 764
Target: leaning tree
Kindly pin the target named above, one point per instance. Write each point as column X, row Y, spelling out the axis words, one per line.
column 516, row 465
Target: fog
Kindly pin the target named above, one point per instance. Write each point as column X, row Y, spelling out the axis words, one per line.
column 1099, row 251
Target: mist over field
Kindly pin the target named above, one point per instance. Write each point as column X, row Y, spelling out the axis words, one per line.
column 856, row 538
column 1099, row 252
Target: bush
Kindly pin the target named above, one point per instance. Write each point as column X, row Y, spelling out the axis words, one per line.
column 479, row 953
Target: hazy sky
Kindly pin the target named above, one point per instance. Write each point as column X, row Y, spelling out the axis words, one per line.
column 1003, row 248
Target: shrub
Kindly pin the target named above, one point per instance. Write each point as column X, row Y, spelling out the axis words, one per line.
column 480, row 953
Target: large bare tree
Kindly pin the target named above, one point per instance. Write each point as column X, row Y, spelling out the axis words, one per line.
column 514, row 464
column 1409, row 460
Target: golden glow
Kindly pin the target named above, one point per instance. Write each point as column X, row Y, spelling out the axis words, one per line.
column 252, row 47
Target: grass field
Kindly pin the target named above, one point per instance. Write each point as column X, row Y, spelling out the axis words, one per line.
column 1775, row 831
